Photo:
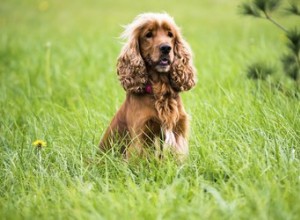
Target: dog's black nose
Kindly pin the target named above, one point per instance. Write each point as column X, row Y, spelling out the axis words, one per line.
column 165, row 49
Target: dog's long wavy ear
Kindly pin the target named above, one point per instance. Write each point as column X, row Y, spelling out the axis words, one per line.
column 131, row 67
column 183, row 72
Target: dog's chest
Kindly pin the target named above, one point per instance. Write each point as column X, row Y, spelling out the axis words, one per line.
column 166, row 105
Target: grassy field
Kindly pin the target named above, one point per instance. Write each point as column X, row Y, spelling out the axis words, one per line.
column 58, row 83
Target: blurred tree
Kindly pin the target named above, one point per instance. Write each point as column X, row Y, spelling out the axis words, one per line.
column 290, row 60
column 259, row 70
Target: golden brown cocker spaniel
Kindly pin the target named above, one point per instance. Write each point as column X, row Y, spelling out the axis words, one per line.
column 154, row 66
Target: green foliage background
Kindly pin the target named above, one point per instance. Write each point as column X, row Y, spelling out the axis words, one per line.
column 58, row 83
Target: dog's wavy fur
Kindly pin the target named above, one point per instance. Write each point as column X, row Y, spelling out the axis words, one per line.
column 155, row 112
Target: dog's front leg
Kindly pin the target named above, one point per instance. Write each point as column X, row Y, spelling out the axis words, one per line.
column 181, row 148
column 136, row 148
column 177, row 144
column 169, row 140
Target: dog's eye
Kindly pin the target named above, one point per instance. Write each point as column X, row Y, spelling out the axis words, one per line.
column 149, row 34
column 170, row 34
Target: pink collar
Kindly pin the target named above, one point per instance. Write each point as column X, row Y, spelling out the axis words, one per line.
column 148, row 88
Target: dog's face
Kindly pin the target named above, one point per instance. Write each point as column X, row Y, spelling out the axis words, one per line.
column 156, row 42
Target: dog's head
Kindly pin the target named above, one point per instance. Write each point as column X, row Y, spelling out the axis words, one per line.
column 157, row 41
column 154, row 43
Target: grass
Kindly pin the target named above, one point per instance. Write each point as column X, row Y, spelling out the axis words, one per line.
column 58, row 83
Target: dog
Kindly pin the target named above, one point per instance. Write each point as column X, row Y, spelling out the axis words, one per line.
column 155, row 65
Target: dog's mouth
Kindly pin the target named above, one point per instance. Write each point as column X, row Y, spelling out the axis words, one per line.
column 164, row 61
column 163, row 64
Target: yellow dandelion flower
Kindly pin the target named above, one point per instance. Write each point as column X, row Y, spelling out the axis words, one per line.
column 39, row 144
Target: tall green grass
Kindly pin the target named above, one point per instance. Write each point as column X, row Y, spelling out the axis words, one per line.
column 58, row 83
